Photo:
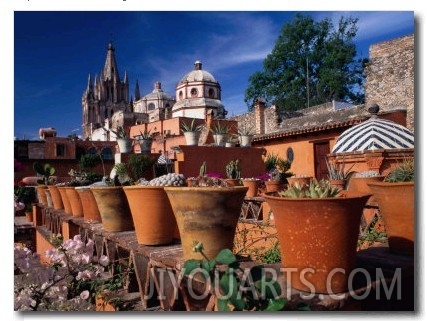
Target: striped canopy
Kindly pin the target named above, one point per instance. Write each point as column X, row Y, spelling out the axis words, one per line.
column 374, row 134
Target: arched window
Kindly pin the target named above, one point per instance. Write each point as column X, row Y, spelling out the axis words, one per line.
column 180, row 95
column 193, row 92
column 107, row 153
column 91, row 151
column 151, row 106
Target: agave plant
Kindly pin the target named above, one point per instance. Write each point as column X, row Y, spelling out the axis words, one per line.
column 337, row 171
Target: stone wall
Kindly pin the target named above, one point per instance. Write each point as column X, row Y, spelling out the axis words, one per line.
column 390, row 76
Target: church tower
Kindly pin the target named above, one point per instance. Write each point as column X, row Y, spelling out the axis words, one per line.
column 105, row 96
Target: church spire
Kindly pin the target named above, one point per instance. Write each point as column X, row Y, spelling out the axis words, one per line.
column 137, row 93
column 110, row 71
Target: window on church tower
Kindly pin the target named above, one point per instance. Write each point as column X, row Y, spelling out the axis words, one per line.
column 151, row 106
column 180, row 95
column 194, row 92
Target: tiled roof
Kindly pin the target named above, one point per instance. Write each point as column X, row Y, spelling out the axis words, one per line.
column 374, row 134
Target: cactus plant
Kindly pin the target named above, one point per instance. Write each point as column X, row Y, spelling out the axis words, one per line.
column 202, row 171
column 316, row 189
column 233, row 169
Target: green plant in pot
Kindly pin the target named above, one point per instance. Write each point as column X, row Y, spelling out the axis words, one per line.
column 219, row 133
column 233, row 172
column 338, row 175
column 395, row 198
column 124, row 142
column 210, row 217
column 318, row 229
column 191, row 132
column 145, row 141
column 278, row 171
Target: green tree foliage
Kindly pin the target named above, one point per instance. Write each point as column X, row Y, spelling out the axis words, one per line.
column 324, row 52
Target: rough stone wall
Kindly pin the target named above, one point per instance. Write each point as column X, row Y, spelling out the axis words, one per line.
column 390, row 76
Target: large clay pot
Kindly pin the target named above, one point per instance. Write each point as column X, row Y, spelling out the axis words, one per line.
column 90, row 208
column 152, row 214
column 75, row 202
column 65, row 200
column 208, row 215
column 396, row 205
column 114, row 208
column 41, row 195
column 252, row 185
column 360, row 185
column 319, row 234
column 56, row 197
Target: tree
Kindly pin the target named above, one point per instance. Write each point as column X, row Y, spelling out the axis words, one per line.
column 311, row 63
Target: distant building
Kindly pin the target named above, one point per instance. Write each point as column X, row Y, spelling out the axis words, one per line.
column 106, row 104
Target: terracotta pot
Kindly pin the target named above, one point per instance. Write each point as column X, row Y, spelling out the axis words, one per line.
column 56, row 197
column 65, row 200
column 208, row 215
column 48, row 198
column 338, row 183
column 273, row 186
column 152, row 214
column 320, row 234
column 89, row 206
column 301, row 180
column 29, row 216
column 41, row 194
column 360, row 185
column 75, row 202
column 396, row 205
column 252, row 185
column 233, row 181
column 114, row 208
column 191, row 182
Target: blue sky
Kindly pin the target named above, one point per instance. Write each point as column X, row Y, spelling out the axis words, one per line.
column 54, row 52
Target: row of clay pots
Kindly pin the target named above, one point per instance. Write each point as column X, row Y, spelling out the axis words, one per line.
column 76, row 201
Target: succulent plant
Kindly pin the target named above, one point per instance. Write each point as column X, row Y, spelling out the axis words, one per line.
column 46, row 171
column 405, row 172
column 337, row 171
column 316, row 189
column 202, row 171
column 170, row 179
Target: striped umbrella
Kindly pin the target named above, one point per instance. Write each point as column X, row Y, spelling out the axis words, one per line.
column 374, row 134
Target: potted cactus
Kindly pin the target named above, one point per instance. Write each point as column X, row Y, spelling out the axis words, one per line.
column 318, row 228
column 395, row 198
column 233, row 172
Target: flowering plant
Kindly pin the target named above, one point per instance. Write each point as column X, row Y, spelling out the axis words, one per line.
column 68, row 282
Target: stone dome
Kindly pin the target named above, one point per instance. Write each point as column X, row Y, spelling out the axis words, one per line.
column 372, row 134
column 197, row 75
column 158, row 93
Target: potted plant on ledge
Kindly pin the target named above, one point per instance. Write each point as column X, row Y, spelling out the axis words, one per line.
column 123, row 141
column 395, row 198
column 191, row 132
column 145, row 141
column 219, row 133
column 232, row 170
column 318, row 229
